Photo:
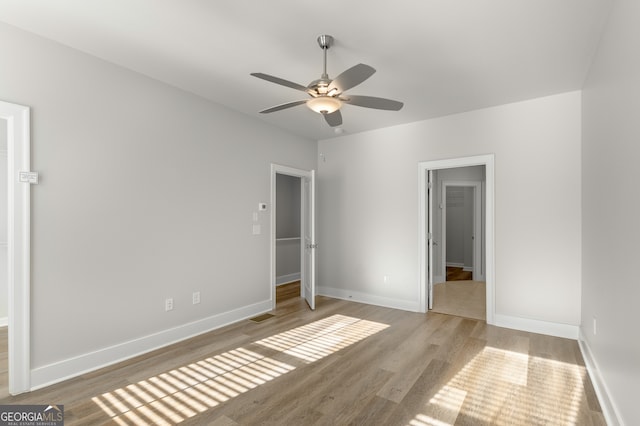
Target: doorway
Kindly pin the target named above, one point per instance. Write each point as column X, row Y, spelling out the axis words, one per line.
column 16, row 120
column 432, row 259
column 293, row 231
column 462, row 232
column 288, row 214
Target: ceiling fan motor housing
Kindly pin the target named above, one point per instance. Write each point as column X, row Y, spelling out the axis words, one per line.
column 325, row 41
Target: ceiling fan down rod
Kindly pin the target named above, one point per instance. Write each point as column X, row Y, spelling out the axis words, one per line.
column 325, row 42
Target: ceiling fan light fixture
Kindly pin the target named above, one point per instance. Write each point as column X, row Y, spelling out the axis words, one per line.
column 324, row 104
column 327, row 95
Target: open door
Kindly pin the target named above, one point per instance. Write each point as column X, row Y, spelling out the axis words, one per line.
column 309, row 236
column 307, row 231
column 430, row 241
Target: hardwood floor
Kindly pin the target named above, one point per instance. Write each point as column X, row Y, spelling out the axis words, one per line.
column 458, row 274
column 462, row 298
column 287, row 291
column 345, row 363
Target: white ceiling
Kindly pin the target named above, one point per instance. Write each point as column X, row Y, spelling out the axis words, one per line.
column 437, row 56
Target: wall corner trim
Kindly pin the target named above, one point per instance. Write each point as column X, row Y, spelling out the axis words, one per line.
column 607, row 404
column 72, row 367
column 567, row 331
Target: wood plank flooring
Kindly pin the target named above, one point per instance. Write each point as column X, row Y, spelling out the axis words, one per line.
column 462, row 298
column 344, row 364
column 458, row 274
column 287, row 291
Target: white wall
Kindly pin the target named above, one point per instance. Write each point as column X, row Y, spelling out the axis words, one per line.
column 4, row 198
column 368, row 206
column 611, row 208
column 146, row 192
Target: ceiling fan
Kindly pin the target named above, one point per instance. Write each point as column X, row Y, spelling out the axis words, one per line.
column 327, row 95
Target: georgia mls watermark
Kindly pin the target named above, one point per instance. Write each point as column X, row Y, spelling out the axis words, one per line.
column 31, row 415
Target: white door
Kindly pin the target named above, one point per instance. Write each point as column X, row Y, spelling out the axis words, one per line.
column 309, row 236
column 430, row 241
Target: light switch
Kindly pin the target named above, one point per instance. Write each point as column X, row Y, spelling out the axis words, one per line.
column 255, row 216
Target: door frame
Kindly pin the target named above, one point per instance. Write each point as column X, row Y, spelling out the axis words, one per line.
column 277, row 169
column 476, row 227
column 487, row 160
column 18, row 246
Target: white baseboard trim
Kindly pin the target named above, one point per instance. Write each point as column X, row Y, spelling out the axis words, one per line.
column 370, row 299
column 72, row 367
column 455, row 265
column 439, row 279
column 567, row 331
column 4, row 322
column 467, row 268
column 289, row 278
column 609, row 410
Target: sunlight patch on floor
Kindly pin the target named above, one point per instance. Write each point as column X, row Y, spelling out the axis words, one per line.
column 172, row 397
column 317, row 340
column 508, row 388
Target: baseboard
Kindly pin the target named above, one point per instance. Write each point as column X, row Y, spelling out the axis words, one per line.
column 609, row 410
column 289, row 278
column 567, row 331
column 4, row 322
column 467, row 268
column 370, row 299
column 72, row 367
column 454, row 265
column 439, row 279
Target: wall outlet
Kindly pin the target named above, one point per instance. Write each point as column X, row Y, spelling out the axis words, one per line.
column 168, row 304
column 196, row 297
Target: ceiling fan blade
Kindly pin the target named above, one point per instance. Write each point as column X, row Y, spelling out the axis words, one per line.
column 351, row 77
column 373, row 102
column 282, row 106
column 280, row 81
column 334, row 119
